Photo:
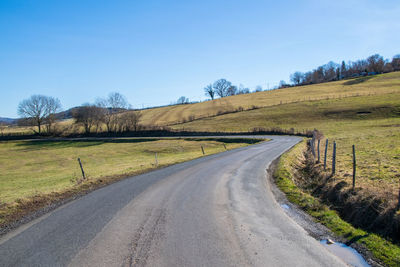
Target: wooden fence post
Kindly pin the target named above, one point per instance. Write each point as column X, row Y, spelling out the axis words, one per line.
column 313, row 145
column 319, row 154
column 334, row 158
column 225, row 146
column 202, row 149
column 398, row 204
column 354, row 167
column 326, row 151
column 80, row 164
column 156, row 160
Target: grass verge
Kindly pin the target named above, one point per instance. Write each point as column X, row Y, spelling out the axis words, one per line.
column 382, row 250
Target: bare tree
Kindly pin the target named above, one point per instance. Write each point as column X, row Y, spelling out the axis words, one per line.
column 243, row 90
column 388, row 67
column 396, row 63
column 209, row 91
column 282, row 84
column 117, row 101
column 131, row 120
column 232, row 90
column 37, row 108
column 114, row 104
column 221, row 87
column 87, row 116
column 296, row 77
column 53, row 106
column 182, row 100
column 343, row 70
column 332, row 71
column 375, row 63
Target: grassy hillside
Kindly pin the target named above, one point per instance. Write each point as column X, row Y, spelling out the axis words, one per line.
column 166, row 116
column 372, row 123
column 376, row 85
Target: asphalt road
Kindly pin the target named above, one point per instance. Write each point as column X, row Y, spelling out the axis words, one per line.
column 214, row 211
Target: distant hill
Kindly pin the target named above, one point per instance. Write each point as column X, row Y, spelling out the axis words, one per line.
column 67, row 114
column 7, row 120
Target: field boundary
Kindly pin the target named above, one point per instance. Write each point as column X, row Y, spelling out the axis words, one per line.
column 163, row 132
column 285, row 174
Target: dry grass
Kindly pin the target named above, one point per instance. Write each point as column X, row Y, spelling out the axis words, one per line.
column 288, row 176
column 376, row 85
column 372, row 123
column 17, row 130
column 386, row 83
column 38, row 171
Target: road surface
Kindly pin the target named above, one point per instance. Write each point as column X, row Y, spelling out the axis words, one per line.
column 213, row 211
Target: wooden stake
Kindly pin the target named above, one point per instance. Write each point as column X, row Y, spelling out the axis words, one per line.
column 398, row 204
column 156, row 160
column 202, row 149
column 80, row 164
column 319, row 154
column 326, row 151
column 313, row 145
column 225, row 146
column 334, row 158
column 354, row 167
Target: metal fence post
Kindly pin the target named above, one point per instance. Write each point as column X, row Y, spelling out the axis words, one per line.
column 80, row 164
column 354, row 167
column 334, row 158
column 326, row 151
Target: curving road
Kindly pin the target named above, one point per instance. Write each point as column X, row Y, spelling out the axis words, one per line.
column 214, row 211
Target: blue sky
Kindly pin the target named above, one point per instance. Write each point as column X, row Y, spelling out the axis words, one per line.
column 156, row 51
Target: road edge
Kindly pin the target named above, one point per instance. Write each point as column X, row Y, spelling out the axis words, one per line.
column 305, row 220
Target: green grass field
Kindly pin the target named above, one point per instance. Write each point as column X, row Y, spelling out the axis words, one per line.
column 36, row 168
column 31, row 167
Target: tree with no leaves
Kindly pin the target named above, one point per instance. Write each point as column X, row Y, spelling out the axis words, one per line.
column 209, row 91
column 87, row 115
column 375, row 63
column 396, row 62
column 282, row 84
column 297, row 77
column 182, row 100
column 53, row 106
column 232, row 90
column 115, row 103
column 221, row 87
column 131, row 120
column 39, row 109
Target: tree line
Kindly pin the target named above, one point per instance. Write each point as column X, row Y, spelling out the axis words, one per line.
column 223, row 88
column 40, row 110
column 332, row 71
